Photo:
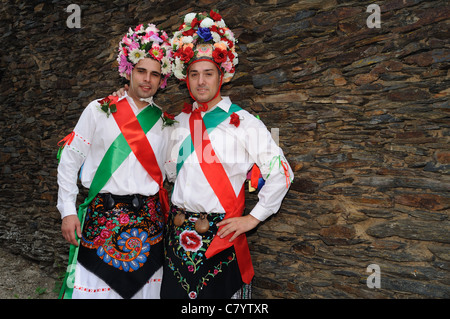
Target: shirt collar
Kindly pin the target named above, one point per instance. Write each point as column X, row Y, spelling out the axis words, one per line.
column 224, row 104
column 149, row 100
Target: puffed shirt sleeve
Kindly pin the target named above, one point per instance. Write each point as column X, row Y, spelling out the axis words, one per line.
column 276, row 171
column 72, row 158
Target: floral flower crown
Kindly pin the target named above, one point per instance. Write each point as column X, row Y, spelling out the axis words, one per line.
column 204, row 36
column 145, row 41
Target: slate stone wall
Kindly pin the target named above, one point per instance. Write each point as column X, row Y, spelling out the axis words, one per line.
column 362, row 115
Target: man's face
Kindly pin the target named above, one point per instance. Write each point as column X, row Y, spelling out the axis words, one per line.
column 204, row 80
column 145, row 78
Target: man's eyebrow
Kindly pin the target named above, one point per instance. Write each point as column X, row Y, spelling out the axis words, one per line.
column 144, row 69
column 206, row 70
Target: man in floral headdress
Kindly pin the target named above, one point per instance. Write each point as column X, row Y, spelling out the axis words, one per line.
column 214, row 145
column 121, row 144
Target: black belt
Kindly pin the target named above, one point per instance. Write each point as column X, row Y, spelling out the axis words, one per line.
column 110, row 200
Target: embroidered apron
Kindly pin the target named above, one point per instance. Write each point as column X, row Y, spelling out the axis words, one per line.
column 123, row 245
column 187, row 272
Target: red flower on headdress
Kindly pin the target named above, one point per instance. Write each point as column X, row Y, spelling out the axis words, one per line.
column 230, row 43
column 189, row 32
column 215, row 16
column 234, row 119
column 195, row 23
column 219, row 55
column 221, row 32
column 185, row 54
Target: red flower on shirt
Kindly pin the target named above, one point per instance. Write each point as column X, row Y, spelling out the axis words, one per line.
column 168, row 119
column 106, row 106
column 234, row 119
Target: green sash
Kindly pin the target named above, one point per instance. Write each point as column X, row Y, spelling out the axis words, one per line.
column 212, row 120
column 114, row 157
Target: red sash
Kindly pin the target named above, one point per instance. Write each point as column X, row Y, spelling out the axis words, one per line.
column 139, row 144
column 221, row 185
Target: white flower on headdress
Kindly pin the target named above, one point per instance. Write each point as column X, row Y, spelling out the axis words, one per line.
column 207, row 23
column 187, row 39
column 215, row 36
column 178, row 73
column 151, row 28
column 166, row 67
column 229, row 35
column 222, row 44
column 178, row 68
column 189, row 17
column 136, row 55
column 221, row 24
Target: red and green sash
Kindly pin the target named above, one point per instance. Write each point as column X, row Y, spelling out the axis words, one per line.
column 221, row 185
column 132, row 139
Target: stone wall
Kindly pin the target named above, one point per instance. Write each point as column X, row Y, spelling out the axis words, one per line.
column 362, row 116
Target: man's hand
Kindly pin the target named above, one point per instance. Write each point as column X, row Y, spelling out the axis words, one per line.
column 121, row 92
column 238, row 225
column 70, row 224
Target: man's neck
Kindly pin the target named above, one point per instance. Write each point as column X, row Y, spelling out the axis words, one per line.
column 214, row 102
column 137, row 100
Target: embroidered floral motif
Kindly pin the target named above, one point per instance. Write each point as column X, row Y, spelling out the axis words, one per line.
column 121, row 237
column 190, row 241
column 188, row 250
column 203, row 281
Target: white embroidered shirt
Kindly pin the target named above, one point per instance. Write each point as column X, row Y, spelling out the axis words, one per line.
column 94, row 133
column 238, row 148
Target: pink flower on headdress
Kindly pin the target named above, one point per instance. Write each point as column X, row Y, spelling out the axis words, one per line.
column 126, row 40
column 164, row 81
column 156, row 52
column 125, row 67
column 227, row 66
column 138, row 28
column 164, row 36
